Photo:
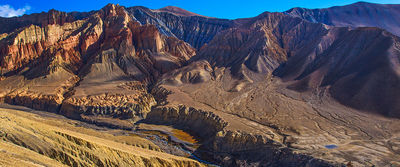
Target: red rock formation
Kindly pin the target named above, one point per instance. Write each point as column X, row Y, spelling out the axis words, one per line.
column 40, row 19
column 104, row 50
column 99, row 66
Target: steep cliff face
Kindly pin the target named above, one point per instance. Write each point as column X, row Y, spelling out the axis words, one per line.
column 108, row 28
column 39, row 44
column 205, row 124
column 114, row 81
column 230, row 82
column 98, row 66
column 191, row 28
column 41, row 19
column 360, row 14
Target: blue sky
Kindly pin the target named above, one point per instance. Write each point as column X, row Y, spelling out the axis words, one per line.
column 215, row 8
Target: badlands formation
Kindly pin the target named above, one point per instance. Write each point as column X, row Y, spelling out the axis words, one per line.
column 132, row 86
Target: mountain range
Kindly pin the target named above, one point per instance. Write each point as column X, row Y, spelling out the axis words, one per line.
column 273, row 90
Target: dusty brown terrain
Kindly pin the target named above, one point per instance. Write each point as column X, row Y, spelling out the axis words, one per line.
column 33, row 139
column 272, row 90
column 305, row 123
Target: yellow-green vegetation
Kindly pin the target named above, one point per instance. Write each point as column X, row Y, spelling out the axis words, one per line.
column 29, row 139
column 182, row 135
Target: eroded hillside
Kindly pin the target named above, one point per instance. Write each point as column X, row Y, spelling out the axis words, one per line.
column 272, row 90
column 36, row 139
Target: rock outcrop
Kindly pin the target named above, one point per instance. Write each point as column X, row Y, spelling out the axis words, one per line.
column 58, row 139
column 226, row 147
column 205, row 124
column 40, row 19
column 34, row 44
column 98, row 66
column 276, row 77
column 233, row 148
column 192, row 28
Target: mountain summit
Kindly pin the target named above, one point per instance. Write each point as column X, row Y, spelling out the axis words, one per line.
column 305, row 87
column 177, row 11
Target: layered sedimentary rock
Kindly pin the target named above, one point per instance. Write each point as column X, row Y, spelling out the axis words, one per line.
column 206, row 124
column 36, row 140
column 192, row 28
column 260, row 91
column 34, row 43
column 135, row 39
column 38, row 63
column 40, row 19
column 229, row 147
column 97, row 66
column 45, row 92
column 287, row 73
column 109, row 87
column 237, row 148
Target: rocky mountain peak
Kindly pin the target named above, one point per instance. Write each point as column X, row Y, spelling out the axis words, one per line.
column 281, row 89
column 113, row 10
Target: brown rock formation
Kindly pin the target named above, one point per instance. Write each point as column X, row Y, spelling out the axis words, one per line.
column 260, row 44
column 206, row 124
column 323, row 64
column 244, row 149
column 197, row 72
column 36, row 140
column 40, row 19
column 260, row 90
column 347, row 69
column 98, row 66
column 229, row 148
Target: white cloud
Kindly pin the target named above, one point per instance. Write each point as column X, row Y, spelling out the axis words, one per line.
column 9, row 11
